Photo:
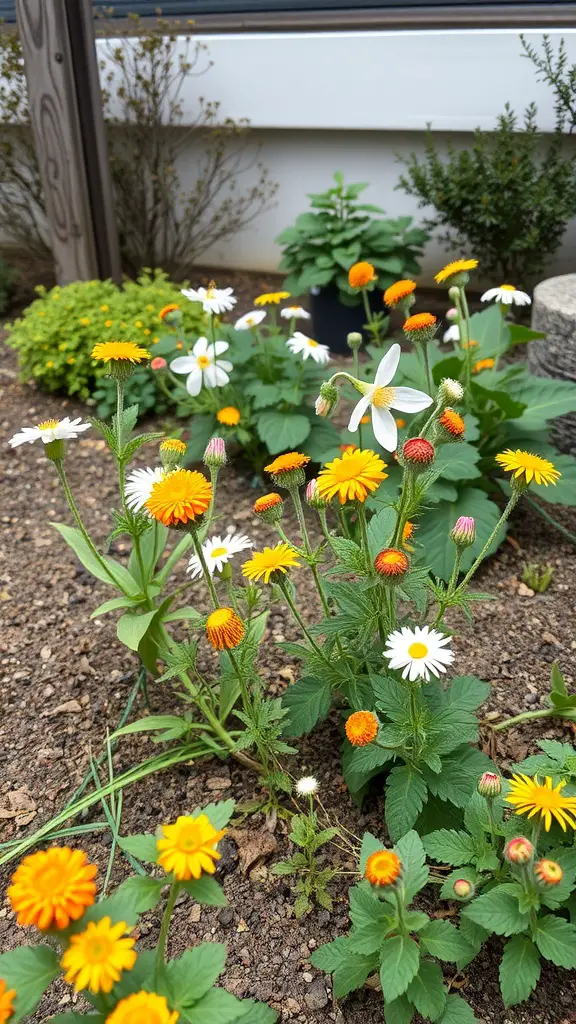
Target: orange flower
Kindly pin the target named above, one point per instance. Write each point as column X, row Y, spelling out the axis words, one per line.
column 391, row 563
column 142, row 1008
column 229, row 416
column 361, row 728
column 383, row 867
column 548, row 872
column 7, row 996
column 170, row 308
column 179, row 497
column 348, row 447
column 53, row 887
column 364, row 420
column 361, row 274
column 407, row 535
column 452, row 422
column 483, row 364
column 288, row 462
column 400, row 423
column 419, row 322
column 224, row 629
column 266, row 502
column 398, row 291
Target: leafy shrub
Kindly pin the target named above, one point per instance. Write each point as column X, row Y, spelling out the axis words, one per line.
column 320, row 247
column 55, row 335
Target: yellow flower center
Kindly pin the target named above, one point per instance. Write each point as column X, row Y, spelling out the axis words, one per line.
column 312, row 343
column 507, row 288
column 97, row 950
column 382, row 398
column 189, row 838
column 51, row 882
column 417, row 650
column 48, row 425
column 219, row 551
column 203, row 362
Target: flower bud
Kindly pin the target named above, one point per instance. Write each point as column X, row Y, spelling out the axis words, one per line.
column 463, row 532
column 450, row 392
column 451, row 426
column 354, row 340
column 158, row 363
column 215, row 454
column 421, row 327
column 452, row 315
column 392, row 565
column 463, row 889
column 454, row 293
column 269, row 508
column 490, row 785
column 313, row 496
column 172, row 451
column 418, row 453
column 548, row 872
column 327, row 399
column 519, row 851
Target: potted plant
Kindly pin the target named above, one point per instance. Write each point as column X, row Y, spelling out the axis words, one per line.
column 323, row 243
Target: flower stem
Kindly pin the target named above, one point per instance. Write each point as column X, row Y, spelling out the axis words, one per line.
column 527, row 716
column 297, row 501
column 300, row 621
column 165, row 926
column 80, row 524
column 513, row 501
column 357, row 374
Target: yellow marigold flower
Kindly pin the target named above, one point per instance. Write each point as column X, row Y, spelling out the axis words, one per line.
column 398, row 291
column 96, row 957
column 407, row 535
column 361, row 274
column 531, row 797
column 170, row 308
column 224, row 629
column 528, row 466
column 483, row 364
column 146, row 331
column 71, row 360
column 400, row 423
column 548, row 872
column 53, row 887
column 173, row 444
column 454, row 268
column 85, row 320
column 42, row 313
column 391, row 563
column 361, row 728
column 264, row 563
column 383, row 867
column 104, row 308
column 351, row 477
column 112, row 351
column 229, row 416
column 266, row 502
column 49, row 364
column 188, row 847
column 419, row 322
column 452, row 422
column 108, row 323
column 271, row 298
column 7, row 996
column 180, row 497
column 288, row 462
column 142, row 1008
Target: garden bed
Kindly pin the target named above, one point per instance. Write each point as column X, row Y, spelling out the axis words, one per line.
column 65, row 681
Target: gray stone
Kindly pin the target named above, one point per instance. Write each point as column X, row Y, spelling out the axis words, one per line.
column 554, row 312
column 316, row 998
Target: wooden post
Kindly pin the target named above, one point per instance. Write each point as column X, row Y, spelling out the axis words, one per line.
column 70, row 136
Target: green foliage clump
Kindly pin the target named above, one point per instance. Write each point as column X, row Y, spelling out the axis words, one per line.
column 506, row 199
column 55, row 335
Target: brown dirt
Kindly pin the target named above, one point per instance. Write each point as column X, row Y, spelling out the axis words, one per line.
column 65, row 680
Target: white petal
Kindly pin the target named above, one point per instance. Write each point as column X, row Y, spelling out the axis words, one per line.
column 211, row 376
column 201, row 347
column 192, row 294
column 452, row 334
column 220, row 375
column 219, row 347
column 358, row 412
column 25, row 436
column 183, row 364
column 410, row 400
column 506, row 297
column 194, row 382
column 388, row 366
column 223, row 364
column 489, row 295
column 385, row 429
column 522, row 299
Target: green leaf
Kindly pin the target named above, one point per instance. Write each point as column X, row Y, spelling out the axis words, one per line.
column 399, row 1011
column 380, row 529
column 457, row 1012
column 450, row 847
column 29, row 970
column 131, row 628
column 556, row 940
column 405, row 797
column 142, row 846
column 427, row 991
column 111, row 606
column 399, row 962
column 218, row 814
column 435, row 526
column 194, row 973
column 564, row 492
column 142, row 892
column 444, row 941
column 352, row 974
column 308, row 701
column 175, row 723
column 498, row 912
column 545, row 399
column 216, row 1007
column 205, row 890
column 282, row 431
column 323, row 442
column 118, row 575
column 410, row 849
column 263, row 394
column 458, row 461
column 519, row 970
column 332, row 955
column 256, row 1013
column 370, row 918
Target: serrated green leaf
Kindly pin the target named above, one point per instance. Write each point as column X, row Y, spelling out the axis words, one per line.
column 142, row 846
column 142, row 892
column 458, row 1011
column 458, row 461
column 411, row 852
column 519, row 970
column 399, row 1011
column 449, row 846
column 444, row 941
column 406, row 794
column 307, row 701
column 399, row 962
column 216, row 1007
column 370, row 844
column 497, row 911
column 29, row 970
column 427, row 990
column 205, row 890
column 556, row 940
column 193, row 974
column 380, row 530
column 332, row 955
column 281, row 431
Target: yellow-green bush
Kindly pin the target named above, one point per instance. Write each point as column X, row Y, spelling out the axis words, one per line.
column 57, row 332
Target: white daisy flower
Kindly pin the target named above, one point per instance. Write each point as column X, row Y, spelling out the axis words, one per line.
column 381, row 398
column 252, row 319
column 419, row 651
column 214, row 300
column 139, row 484
column 49, row 430
column 508, row 295
column 203, row 368
column 307, row 786
column 300, row 344
column 217, row 552
column 452, row 334
column 295, row 313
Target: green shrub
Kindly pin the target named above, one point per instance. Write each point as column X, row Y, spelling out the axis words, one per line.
column 57, row 332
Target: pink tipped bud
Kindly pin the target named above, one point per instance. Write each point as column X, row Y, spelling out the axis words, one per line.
column 313, row 496
column 327, row 399
column 464, row 532
column 452, row 314
column 463, row 889
column 490, row 785
column 158, row 363
column 519, row 851
column 215, row 454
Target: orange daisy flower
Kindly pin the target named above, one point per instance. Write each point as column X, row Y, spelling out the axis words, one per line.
column 53, row 887
column 383, row 868
column 361, row 728
column 224, row 629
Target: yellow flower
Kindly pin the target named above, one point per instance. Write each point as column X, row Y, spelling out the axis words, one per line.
column 361, row 274
column 229, row 415
column 85, row 320
column 150, row 307
column 49, row 364
column 42, row 313
column 351, row 477
column 531, row 797
column 113, row 351
column 96, row 957
column 104, row 308
column 398, row 291
column 71, row 361
column 270, row 560
column 53, row 887
column 146, row 330
column 179, row 497
column 383, row 867
column 528, row 466
column 108, row 323
column 7, row 996
column 173, row 444
column 454, row 268
column 224, row 629
column 361, row 728
column 483, row 364
column 188, row 847
column 271, row 298
column 138, row 323
column 142, row 1008
column 288, row 462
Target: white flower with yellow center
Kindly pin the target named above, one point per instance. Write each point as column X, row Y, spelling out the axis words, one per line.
column 214, row 300
column 294, row 313
column 381, row 398
column 307, row 786
column 419, row 652
column 217, row 552
column 452, row 334
column 139, row 484
column 203, row 368
column 49, row 430
column 249, row 320
column 300, row 344
column 508, row 295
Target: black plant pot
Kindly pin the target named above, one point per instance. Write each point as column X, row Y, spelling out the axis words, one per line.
column 332, row 322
